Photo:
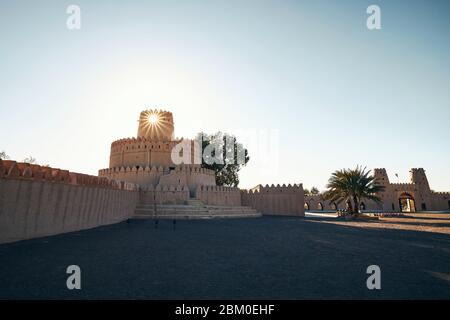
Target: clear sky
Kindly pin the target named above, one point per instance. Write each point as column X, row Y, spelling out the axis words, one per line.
column 336, row 93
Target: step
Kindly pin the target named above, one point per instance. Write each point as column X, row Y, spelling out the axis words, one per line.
column 193, row 212
column 198, row 216
column 194, row 202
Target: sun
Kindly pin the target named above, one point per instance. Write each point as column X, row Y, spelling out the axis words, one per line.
column 153, row 118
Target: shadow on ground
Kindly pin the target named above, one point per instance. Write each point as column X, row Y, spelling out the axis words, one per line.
column 264, row 258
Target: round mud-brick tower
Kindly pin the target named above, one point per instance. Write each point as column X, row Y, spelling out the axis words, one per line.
column 156, row 125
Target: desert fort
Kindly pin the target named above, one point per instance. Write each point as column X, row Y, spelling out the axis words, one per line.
column 144, row 182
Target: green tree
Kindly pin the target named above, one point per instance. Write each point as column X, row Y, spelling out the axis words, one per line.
column 351, row 186
column 3, row 155
column 224, row 155
column 306, row 191
column 314, row 190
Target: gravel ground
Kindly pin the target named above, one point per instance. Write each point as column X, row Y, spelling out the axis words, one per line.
column 426, row 222
column 262, row 258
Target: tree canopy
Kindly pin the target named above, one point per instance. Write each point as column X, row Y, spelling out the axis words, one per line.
column 223, row 154
column 314, row 190
column 3, row 155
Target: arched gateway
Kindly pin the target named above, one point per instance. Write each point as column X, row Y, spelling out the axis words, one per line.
column 407, row 203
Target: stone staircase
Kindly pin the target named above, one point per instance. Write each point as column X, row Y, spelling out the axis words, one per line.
column 195, row 202
column 194, row 209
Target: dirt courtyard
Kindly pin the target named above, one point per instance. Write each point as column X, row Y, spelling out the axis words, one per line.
column 424, row 222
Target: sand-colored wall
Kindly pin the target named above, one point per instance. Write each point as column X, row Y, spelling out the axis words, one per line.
column 418, row 188
column 141, row 152
column 190, row 176
column 164, row 195
column 145, row 176
column 219, row 196
column 40, row 201
column 160, row 131
column 148, row 152
column 276, row 200
column 317, row 203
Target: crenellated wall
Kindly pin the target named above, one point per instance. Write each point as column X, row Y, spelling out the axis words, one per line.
column 161, row 130
column 275, row 200
column 424, row 199
column 147, row 152
column 38, row 201
column 182, row 175
column 164, row 195
column 143, row 175
column 141, row 152
column 219, row 196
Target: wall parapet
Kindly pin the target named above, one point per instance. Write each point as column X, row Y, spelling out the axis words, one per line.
column 10, row 169
column 37, row 201
column 445, row 193
column 190, row 169
column 132, row 140
column 219, row 195
column 275, row 189
column 276, row 199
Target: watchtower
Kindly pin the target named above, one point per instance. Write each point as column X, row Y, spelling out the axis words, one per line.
column 156, row 125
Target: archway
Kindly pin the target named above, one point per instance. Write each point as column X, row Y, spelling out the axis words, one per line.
column 407, row 203
column 362, row 206
column 334, row 206
column 320, row 206
column 306, row 206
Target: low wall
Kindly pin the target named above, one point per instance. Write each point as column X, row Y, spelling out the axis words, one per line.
column 39, row 201
column 276, row 200
column 164, row 195
column 220, row 196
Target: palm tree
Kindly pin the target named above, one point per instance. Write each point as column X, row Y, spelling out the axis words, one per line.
column 351, row 186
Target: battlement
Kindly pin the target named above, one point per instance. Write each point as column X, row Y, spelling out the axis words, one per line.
column 217, row 189
column 443, row 193
column 402, row 184
column 18, row 170
column 419, row 177
column 218, row 195
column 172, row 188
column 275, row 200
column 381, row 176
column 275, row 189
column 189, row 169
column 156, row 124
column 142, row 140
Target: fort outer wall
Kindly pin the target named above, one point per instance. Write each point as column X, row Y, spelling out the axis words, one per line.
column 219, row 196
column 40, row 201
column 276, row 200
column 417, row 189
column 164, row 195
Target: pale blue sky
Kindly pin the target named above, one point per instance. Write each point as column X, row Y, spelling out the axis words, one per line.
column 338, row 94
